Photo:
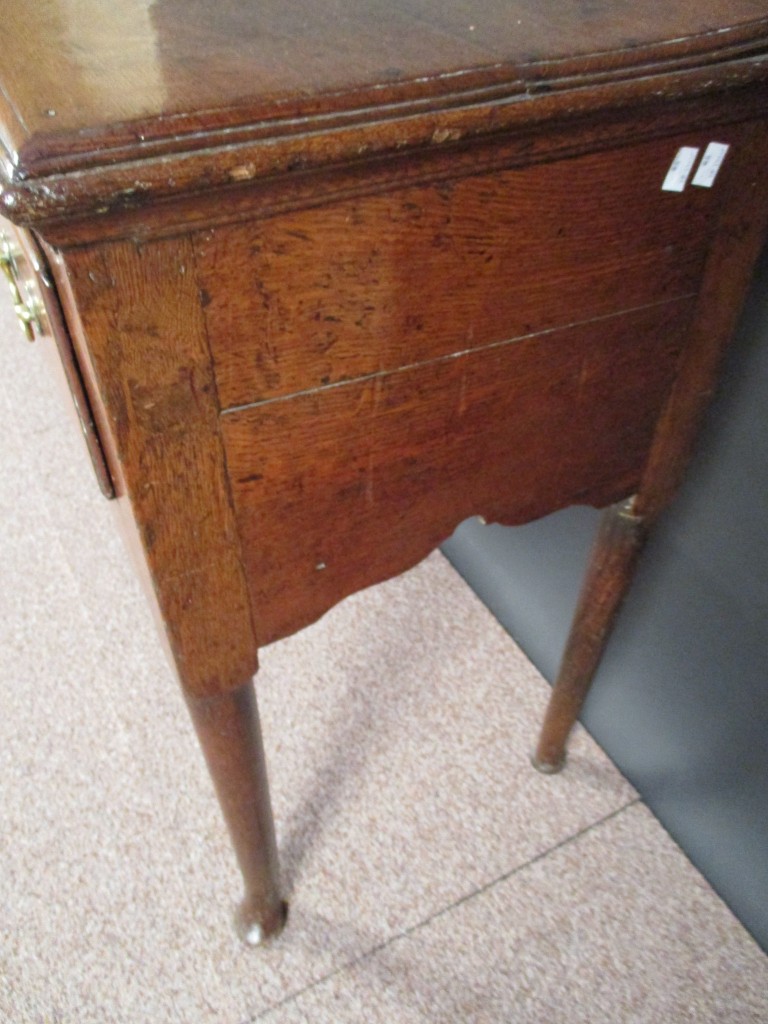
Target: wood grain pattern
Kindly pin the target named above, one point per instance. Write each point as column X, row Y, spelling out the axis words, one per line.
column 140, row 337
column 290, row 88
column 369, row 285
column 341, row 488
column 177, row 69
column 204, row 190
column 740, row 232
column 612, row 562
column 227, row 726
column 727, row 274
column 353, row 207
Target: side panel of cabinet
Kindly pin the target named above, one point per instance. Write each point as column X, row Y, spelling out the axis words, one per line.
column 367, row 285
column 341, row 488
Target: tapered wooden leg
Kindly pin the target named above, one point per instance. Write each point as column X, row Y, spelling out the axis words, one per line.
column 228, row 729
column 619, row 541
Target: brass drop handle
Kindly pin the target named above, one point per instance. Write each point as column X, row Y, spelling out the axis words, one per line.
column 27, row 307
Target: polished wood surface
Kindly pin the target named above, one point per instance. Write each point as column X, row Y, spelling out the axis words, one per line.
column 334, row 277
column 624, row 528
column 175, row 98
column 138, row 329
column 140, row 73
column 341, row 488
column 227, row 726
column 618, row 545
column 375, row 283
column 741, row 234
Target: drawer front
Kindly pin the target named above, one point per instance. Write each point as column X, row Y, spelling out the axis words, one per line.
column 41, row 318
column 367, row 285
column 341, row 488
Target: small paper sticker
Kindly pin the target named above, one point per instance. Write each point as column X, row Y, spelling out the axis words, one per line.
column 710, row 164
column 680, row 169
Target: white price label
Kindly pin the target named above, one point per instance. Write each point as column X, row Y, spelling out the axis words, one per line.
column 680, row 169
column 710, row 164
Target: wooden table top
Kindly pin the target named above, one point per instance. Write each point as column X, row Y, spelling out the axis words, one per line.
column 85, row 84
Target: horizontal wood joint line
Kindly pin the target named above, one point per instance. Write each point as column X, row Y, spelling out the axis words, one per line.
column 244, row 406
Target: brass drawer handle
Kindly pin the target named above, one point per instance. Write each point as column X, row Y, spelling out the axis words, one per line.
column 28, row 306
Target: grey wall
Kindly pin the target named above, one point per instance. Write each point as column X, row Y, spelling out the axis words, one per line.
column 681, row 699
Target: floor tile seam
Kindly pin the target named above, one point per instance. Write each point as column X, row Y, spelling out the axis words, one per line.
column 413, row 929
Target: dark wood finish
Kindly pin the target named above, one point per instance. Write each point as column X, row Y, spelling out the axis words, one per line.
column 138, row 330
column 326, row 84
column 141, row 79
column 104, row 203
column 228, row 729
column 338, row 275
column 612, row 563
column 373, row 284
column 348, row 485
column 741, row 233
column 624, row 529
